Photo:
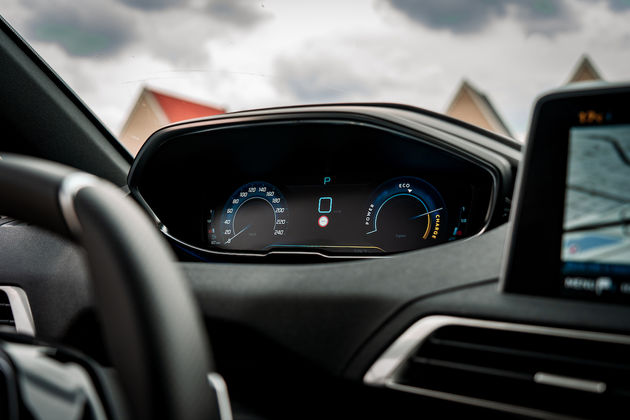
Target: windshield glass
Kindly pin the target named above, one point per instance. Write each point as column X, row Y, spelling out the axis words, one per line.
column 141, row 64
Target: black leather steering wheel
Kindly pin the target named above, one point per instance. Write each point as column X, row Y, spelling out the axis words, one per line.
column 152, row 326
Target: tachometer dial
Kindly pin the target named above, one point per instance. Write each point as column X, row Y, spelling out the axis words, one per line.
column 254, row 216
column 405, row 213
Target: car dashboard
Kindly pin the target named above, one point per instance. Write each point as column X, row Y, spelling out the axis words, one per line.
column 310, row 240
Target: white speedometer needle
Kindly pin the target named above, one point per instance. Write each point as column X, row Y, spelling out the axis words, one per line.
column 241, row 231
column 424, row 214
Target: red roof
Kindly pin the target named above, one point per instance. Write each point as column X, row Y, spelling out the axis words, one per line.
column 177, row 109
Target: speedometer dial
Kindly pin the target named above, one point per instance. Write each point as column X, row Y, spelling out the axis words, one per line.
column 405, row 213
column 254, row 216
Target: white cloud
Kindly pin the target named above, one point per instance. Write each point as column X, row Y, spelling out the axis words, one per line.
column 294, row 52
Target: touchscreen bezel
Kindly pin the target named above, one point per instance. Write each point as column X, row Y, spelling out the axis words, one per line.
column 532, row 261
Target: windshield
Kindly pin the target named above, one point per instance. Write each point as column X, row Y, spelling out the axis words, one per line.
column 141, row 64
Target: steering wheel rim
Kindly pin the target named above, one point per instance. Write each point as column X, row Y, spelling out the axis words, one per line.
column 151, row 323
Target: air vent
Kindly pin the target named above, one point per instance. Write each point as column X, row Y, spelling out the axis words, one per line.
column 15, row 311
column 6, row 314
column 532, row 370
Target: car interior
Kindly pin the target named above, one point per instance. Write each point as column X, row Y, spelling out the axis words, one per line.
column 345, row 260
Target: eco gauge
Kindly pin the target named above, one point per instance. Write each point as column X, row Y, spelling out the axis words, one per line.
column 405, row 213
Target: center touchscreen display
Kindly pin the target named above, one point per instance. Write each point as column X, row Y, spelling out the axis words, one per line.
column 596, row 229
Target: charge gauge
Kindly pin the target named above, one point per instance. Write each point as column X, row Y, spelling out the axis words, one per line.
column 405, row 213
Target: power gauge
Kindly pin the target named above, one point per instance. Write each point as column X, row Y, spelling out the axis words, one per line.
column 405, row 213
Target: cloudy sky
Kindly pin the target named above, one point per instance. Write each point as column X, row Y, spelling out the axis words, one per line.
column 243, row 54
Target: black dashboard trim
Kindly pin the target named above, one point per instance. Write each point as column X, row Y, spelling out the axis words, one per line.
column 495, row 165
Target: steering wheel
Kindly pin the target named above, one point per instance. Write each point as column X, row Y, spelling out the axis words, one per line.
column 152, row 326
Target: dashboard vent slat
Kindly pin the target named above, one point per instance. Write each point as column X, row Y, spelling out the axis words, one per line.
column 6, row 314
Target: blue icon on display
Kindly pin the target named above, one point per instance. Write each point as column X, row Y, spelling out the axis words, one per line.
column 325, row 205
column 327, row 180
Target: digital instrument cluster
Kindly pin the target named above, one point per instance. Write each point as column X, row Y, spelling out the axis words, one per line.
column 339, row 217
column 313, row 184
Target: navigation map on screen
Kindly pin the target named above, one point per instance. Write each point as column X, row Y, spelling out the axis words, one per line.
column 596, row 228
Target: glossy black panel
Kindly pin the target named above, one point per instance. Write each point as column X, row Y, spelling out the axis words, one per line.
column 534, row 263
column 329, row 187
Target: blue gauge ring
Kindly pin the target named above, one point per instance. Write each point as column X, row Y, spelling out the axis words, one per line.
column 232, row 226
column 428, row 197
